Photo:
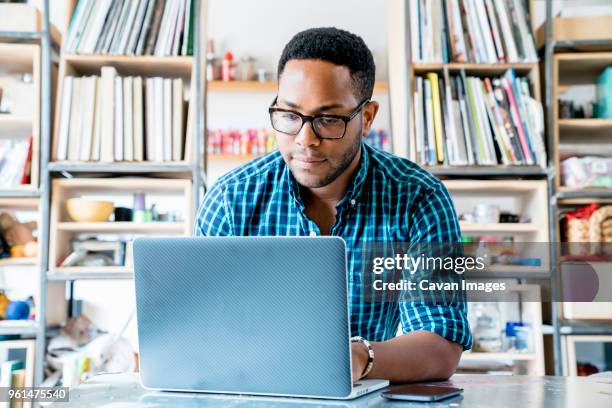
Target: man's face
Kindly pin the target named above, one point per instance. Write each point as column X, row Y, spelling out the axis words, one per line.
column 314, row 87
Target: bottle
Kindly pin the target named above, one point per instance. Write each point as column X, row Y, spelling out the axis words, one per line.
column 212, row 63
column 227, row 67
column 487, row 327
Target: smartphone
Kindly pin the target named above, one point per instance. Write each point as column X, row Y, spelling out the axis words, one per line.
column 421, row 392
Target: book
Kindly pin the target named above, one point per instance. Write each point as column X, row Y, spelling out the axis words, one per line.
column 95, row 142
column 88, row 98
column 508, row 38
column 150, row 112
column 470, row 31
column 429, row 116
column 158, row 13
column 18, row 381
column 465, row 121
column 78, row 24
column 26, row 172
column 419, row 122
column 437, row 116
column 159, row 118
column 146, row 28
column 167, row 108
column 137, row 27
column 121, row 28
column 94, row 27
column 6, row 372
column 119, row 120
column 187, row 36
column 178, row 29
column 64, row 126
column 74, row 136
column 112, row 29
column 129, row 26
column 128, row 118
column 138, row 120
column 107, row 27
column 107, row 133
column 177, row 119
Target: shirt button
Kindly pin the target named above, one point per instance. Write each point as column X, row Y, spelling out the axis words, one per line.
column 353, row 202
column 313, row 233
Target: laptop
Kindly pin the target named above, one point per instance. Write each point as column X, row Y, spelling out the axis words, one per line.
column 245, row 315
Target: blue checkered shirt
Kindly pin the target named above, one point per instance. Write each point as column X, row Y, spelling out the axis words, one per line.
column 390, row 199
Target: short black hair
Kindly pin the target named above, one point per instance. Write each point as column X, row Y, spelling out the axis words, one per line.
column 339, row 47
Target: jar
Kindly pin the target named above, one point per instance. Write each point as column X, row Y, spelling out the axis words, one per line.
column 247, row 69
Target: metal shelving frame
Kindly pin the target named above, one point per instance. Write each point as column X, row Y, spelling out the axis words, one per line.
column 44, row 37
column 560, row 327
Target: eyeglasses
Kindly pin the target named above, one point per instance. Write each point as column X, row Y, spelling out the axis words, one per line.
column 324, row 126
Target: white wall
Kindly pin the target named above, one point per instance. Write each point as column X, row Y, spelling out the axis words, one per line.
column 261, row 29
column 572, row 8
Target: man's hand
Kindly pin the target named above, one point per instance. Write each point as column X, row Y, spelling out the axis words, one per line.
column 360, row 360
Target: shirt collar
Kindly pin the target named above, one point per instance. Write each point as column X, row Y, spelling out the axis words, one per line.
column 354, row 189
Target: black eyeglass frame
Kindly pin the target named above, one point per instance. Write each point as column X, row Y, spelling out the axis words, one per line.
column 311, row 118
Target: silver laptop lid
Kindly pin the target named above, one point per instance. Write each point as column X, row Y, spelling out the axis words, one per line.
column 253, row 315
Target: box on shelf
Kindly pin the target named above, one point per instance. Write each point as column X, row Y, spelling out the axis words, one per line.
column 24, row 18
column 576, row 29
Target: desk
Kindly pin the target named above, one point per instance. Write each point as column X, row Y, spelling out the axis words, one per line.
column 481, row 391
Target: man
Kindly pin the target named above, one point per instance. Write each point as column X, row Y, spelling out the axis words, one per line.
column 324, row 180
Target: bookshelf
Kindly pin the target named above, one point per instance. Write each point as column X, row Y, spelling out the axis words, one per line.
column 174, row 185
column 575, row 50
column 26, row 39
column 118, row 190
column 518, row 188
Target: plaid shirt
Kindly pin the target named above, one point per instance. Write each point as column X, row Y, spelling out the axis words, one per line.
column 389, row 200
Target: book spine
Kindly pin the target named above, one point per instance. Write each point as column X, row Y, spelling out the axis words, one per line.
column 517, row 120
column 437, row 114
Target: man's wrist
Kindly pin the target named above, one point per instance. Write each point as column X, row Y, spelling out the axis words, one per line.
column 366, row 354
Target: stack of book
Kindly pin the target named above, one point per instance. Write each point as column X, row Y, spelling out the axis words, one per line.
column 131, row 27
column 15, row 162
column 470, row 31
column 113, row 118
column 463, row 120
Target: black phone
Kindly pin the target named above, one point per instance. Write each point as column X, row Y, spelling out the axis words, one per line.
column 421, row 392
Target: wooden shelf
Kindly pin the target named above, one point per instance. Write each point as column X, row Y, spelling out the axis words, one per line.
column 482, row 356
column 231, row 157
column 15, row 126
column 147, row 65
column 589, row 127
column 18, row 327
column 502, row 227
column 569, row 193
column 121, row 167
column 7, row 262
column 270, row 86
column 24, row 190
column 135, row 227
column 497, row 171
column 122, row 184
column 483, row 69
column 90, row 273
column 502, row 186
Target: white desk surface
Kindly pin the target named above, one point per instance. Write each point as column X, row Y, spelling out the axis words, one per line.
column 480, row 391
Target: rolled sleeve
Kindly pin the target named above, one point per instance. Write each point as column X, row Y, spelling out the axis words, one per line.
column 448, row 321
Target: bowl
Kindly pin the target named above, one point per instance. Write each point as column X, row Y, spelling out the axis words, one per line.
column 83, row 210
